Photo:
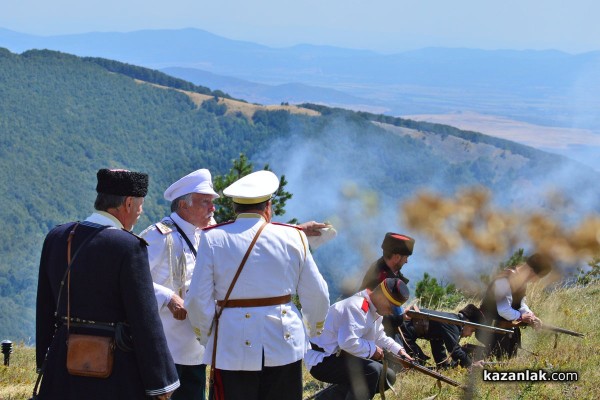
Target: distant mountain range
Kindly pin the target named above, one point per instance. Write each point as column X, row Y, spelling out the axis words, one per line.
column 542, row 87
column 62, row 117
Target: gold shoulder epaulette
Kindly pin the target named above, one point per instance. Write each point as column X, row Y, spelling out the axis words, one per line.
column 165, row 227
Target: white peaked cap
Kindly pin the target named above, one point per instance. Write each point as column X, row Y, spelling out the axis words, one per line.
column 253, row 188
column 198, row 181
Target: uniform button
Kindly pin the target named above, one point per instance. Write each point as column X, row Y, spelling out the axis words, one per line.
column 287, row 335
column 247, row 343
column 284, row 312
column 248, row 315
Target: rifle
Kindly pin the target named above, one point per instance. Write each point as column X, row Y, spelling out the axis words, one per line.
column 455, row 321
column 543, row 326
column 398, row 360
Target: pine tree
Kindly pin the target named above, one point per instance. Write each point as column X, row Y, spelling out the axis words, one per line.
column 242, row 167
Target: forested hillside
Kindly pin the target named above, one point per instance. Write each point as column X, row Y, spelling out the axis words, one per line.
column 63, row 117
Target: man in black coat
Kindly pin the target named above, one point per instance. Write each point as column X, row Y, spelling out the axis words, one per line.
column 109, row 282
column 443, row 337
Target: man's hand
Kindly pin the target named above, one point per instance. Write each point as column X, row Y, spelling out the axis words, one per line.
column 405, row 316
column 312, row 228
column 403, row 353
column 537, row 323
column 528, row 318
column 176, row 307
column 378, row 355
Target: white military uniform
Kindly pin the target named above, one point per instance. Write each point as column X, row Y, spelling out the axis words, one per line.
column 172, row 265
column 352, row 325
column 280, row 263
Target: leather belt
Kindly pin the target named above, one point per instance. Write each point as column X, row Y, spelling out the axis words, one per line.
column 267, row 301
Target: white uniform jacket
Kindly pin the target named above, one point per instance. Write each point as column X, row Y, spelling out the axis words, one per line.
column 352, row 325
column 172, row 265
column 280, row 263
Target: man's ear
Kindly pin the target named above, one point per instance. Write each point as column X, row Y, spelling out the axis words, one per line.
column 128, row 203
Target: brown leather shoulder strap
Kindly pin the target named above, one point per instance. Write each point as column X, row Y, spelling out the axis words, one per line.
column 239, row 270
column 218, row 313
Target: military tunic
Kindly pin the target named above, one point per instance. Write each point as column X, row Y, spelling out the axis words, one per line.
column 377, row 272
column 279, row 264
column 110, row 282
column 172, row 264
column 352, row 332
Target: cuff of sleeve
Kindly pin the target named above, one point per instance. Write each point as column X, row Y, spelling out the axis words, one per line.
column 395, row 348
column 167, row 299
column 372, row 349
column 168, row 389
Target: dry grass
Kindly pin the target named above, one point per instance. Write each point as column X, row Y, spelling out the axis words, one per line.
column 235, row 106
column 571, row 308
column 17, row 379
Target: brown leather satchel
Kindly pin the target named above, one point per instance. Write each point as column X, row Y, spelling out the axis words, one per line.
column 90, row 355
column 87, row 355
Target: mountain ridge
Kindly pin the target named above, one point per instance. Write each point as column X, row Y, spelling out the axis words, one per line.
column 63, row 117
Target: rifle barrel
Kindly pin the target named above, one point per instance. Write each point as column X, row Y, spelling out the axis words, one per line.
column 396, row 359
column 561, row 330
column 454, row 321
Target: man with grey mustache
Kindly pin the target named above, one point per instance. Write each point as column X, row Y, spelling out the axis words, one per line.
column 173, row 243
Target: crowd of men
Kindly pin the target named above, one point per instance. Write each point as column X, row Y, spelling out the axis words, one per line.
column 189, row 293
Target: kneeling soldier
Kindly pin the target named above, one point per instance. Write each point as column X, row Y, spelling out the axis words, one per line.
column 442, row 337
column 348, row 351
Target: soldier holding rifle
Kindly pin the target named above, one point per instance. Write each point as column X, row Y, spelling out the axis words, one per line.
column 504, row 304
column 443, row 331
column 352, row 344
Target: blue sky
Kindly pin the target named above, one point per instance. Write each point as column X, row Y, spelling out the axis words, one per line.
column 380, row 25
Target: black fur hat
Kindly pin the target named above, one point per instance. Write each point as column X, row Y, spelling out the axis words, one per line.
column 121, row 182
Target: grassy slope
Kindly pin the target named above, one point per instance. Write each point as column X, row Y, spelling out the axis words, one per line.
column 572, row 308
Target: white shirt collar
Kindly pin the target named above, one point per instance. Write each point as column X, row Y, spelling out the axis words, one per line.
column 104, row 218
